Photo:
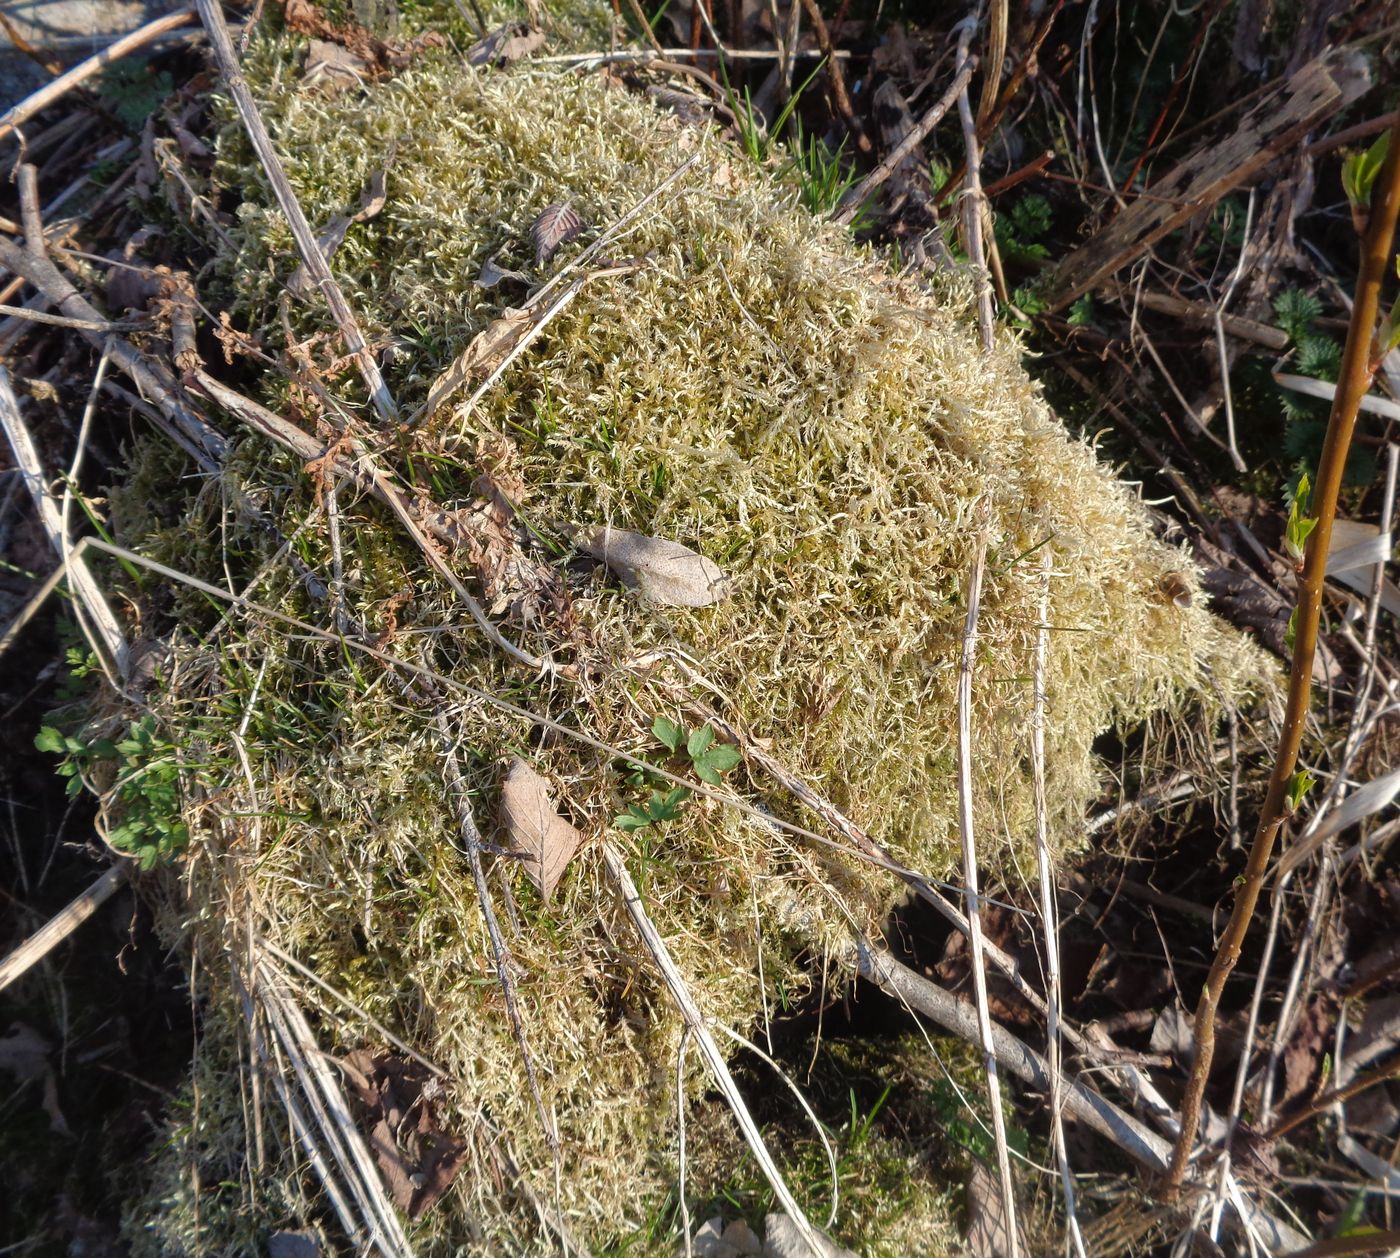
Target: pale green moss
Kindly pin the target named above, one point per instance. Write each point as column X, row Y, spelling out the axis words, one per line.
column 760, row 390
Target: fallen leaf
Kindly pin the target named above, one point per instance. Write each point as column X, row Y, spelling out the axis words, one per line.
column 334, row 66
column 715, row 1240
column 1307, row 1046
column 783, row 1239
column 491, row 274
column 665, row 571
column 987, row 1233
column 505, row 45
column 556, row 225
column 24, row 1053
column 534, row 827
column 417, row 1158
column 488, row 349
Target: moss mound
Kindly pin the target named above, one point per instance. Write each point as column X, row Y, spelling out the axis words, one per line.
column 749, row 384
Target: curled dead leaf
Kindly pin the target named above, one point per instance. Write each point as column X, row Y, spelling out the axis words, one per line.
column 534, row 827
column 492, row 273
column 505, row 45
column 333, row 66
column 332, row 235
column 665, row 571
column 487, row 350
column 556, row 225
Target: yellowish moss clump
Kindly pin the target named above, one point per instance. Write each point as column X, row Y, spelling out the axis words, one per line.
column 757, row 388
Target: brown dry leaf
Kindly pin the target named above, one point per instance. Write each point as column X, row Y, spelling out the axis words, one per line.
column 505, row 45
column 333, row 66
column 782, row 1239
column 416, row 1157
column 535, row 828
column 715, row 1240
column 665, row 571
column 487, row 350
column 24, row 1053
column 492, row 273
column 556, row 225
column 1307, row 1046
column 987, row 1233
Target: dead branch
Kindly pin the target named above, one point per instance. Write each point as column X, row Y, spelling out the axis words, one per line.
column 1357, row 370
column 1271, row 128
column 18, row 115
column 974, row 901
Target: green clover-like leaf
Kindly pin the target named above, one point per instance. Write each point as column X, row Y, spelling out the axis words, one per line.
column 699, row 742
column 722, row 757
column 668, row 733
column 632, row 820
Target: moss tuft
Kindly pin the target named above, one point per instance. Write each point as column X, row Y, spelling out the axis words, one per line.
column 758, row 389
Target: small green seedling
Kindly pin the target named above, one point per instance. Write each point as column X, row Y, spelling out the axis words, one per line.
column 1298, row 787
column 708, row 758
column 659, row 807
column 146, row 790
column 710, row 761
column 1300, row 524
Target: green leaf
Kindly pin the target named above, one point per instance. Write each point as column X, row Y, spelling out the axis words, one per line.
column 1290, row 635
column 668, row 733
column 1295, row 310
column 700, row 741
column 50, row 740
column 1298, row 787
column 1359, row 171
column 630, row 821
column 1300, row 525
column 722, row 757
column 708, row 773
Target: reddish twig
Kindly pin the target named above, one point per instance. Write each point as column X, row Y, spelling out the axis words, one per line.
column 1359, row 364
column 838, row 77
column 1318, row 1105
column 1187, row 67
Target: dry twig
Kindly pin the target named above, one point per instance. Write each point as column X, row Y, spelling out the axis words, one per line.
column 315, row 261
column 1357, row 369
column 19, row 114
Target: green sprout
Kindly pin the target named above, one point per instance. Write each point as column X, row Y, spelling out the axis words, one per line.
column 709, row 760
column 1300, row 525
column 146, row 790
column 1298, row 787
column 1360, row 170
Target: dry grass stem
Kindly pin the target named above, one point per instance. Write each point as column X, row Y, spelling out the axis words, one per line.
column 1049, row 912
column 976, row 946
column 312, row 258
column 109, row 640
column 61, row 925
column 714, row 1059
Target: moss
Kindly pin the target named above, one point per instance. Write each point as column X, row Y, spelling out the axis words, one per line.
column 759, row 389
